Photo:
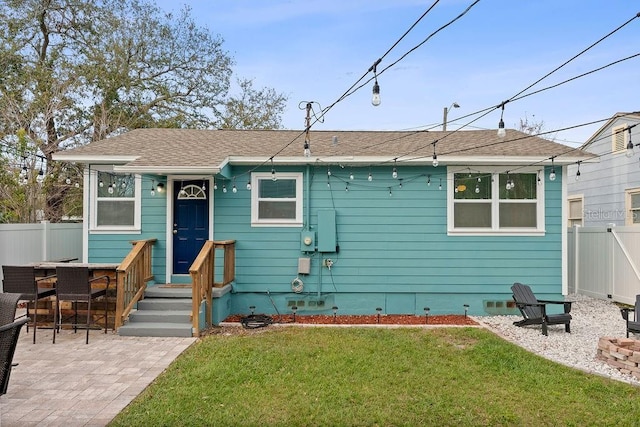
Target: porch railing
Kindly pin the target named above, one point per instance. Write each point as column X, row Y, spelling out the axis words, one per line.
column 202, row 273
column 133, row 273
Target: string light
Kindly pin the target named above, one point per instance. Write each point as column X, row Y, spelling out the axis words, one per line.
column 501, row 131
column 204, row 185
column 346, row 188
column 273, row 171
column 375, row 97
column 234, row 189
column 249, row 185
column 440, row 186
column 629, row 146
column 552, row 175
column 370, row 177
column 328, row 171
column 351, row 177
column 215, row 184
column 394, row 173
column 224, row 188
column 578, row 171
column 428, row 180
column 435, row 156
column 390, row 193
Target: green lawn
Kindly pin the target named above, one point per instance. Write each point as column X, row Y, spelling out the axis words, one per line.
column 375, row 377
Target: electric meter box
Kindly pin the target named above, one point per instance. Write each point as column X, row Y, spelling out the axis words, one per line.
column 308, row 241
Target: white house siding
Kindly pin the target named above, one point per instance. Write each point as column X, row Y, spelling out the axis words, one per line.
column 602, row 185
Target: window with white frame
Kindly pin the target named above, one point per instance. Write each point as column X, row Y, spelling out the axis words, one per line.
column 576, row 210
column 633, row 206
column 276, row 201
column 482, row 202
column 115, row 201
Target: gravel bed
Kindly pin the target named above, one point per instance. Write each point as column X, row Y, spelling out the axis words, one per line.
column 592, row 319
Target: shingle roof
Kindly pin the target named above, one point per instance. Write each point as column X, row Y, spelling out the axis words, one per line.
column 196, row 148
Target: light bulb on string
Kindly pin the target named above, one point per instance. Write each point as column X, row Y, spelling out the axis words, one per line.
column 234, row 188
column 501, row 131
column 273, row 171
column 435, row 156
column 68, row 181
column 428, row 180
column 552, row 174
column 370, row 177
column 440, row 186
column 307, row 149
column 215, row 184
column 100, row 184
column 249, row 185
column 630, row 146
column 224, row 188
column 346, row 187
column 394, row 173
column 390, row 193
column 477, row 189
column 400, row 186
column 204, row 185
column 328, row 171
column 351, row 177
column 578, row 172
column 110, row 189
column 375, row 96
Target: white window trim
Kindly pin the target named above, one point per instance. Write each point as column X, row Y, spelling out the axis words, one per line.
column 257, row 222
column 94, row 228
column 495, row 206
column 627, row 206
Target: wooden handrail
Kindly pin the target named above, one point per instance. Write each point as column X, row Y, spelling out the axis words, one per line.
column 133, row 273
column 202, row 273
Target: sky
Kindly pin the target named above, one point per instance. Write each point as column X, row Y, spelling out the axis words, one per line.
column 315, row 51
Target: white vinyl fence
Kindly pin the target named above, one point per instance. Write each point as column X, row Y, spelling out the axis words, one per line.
column 604, row 262
column 25, row 243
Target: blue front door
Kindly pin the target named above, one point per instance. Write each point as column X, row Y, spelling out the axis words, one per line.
column 190, row 223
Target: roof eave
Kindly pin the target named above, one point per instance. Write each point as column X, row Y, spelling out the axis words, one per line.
column 93, row 159
column 168, row 170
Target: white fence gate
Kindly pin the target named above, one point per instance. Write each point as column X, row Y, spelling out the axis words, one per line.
column 604, row 262
column 25, row 243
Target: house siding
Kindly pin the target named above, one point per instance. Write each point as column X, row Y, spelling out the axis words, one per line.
column 602, row 185
column 112, row 248
column 394, row 251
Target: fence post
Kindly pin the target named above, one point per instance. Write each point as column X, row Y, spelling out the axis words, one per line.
column 46, row 238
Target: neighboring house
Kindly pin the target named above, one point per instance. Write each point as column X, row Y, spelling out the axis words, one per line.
column 608, row 191
column 365, row 221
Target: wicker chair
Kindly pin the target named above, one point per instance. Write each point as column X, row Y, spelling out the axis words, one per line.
column 9, row 333
column 8, row 306
column 21, row 279
column 74, row 284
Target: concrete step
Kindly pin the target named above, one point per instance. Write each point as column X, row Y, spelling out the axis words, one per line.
column 164, row 304
column 155, row 329
column 160, row 291
column 161, row 316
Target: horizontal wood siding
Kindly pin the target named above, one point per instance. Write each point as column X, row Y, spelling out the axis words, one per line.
column 112, row 248
column 390, row 244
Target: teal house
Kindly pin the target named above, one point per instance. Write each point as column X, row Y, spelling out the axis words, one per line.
column 357, row 220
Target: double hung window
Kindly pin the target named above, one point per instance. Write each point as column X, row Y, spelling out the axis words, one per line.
column 491, row 202
column 276, row 200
